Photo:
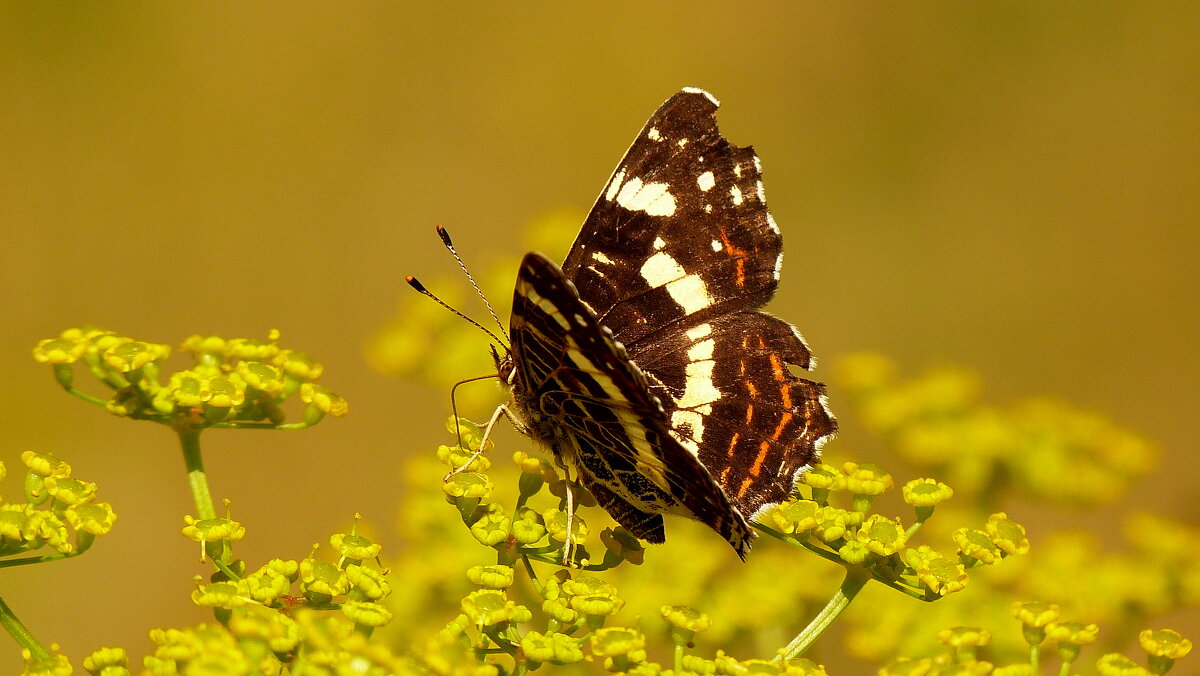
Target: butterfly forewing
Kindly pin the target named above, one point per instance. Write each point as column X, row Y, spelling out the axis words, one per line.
column 681, row 231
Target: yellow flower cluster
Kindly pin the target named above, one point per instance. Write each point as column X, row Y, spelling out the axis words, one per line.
column 234, row 382
column 1042, row 625
column 59, row 514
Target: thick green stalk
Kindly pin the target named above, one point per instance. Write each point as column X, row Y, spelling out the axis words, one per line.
column 189, row 439
column 20, row 633
column 856, row 578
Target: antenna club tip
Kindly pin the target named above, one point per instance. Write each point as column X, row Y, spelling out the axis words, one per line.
column 412, row 281
column 445, row 235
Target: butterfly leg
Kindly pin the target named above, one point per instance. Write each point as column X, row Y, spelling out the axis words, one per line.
column 569, row 544
column 501, row 410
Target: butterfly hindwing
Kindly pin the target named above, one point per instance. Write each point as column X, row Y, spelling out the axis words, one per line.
column 732, row 399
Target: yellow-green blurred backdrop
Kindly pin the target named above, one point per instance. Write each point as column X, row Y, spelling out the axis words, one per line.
column 1014, row 187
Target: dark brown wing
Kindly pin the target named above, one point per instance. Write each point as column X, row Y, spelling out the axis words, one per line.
column 583, row 396
column 676, row 257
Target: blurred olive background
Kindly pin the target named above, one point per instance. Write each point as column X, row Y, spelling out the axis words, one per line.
column 1013, row 187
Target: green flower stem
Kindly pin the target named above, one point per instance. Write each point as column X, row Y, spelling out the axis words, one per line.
column 299, row 425
column 1034, row 659
column 856, row 578
column 10, row 563
column 923, row 514
column 537, row 583
column 21, row 634
column 800, row 544
column 913, row 589
column 102, row 373
column 499, row 640
column 229, row 572
column 85, row 396
column 545, row 553
column 1065, row 669
column 189, row 438
column 678, row 658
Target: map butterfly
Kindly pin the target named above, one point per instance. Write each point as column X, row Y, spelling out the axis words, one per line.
column 643, row 362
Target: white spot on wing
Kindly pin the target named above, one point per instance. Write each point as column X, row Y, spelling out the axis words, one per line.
column 628, row 191
column 653, row 198
column 772, row 224
column 690, row 292
column 708, row 208
column 653, row 134
column 702, row 351
column 706, row 181
column 778, row 265
column 736, row 193
column 757, row 164
column 692, row 420
column 699, row 331
column 661, row 269
column 682, row 142
column 687, row 290
column 698, row 386
column 737, row 170
column 599, row 257
column 659, row 243
column 762, row 196
column 716, row 245
column 615, row 185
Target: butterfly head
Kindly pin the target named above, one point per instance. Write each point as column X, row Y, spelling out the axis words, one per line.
column 505, row 368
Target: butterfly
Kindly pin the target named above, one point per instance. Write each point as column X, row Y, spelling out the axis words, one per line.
column 643, row 362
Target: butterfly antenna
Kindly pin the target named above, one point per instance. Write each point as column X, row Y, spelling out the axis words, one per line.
column 420, row 288
column 441, row 231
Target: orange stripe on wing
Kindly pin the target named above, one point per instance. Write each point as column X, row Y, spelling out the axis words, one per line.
column 763, row 449
column 745, row 485
column 777, row 367
column 756, row 468
column 740, row 255
column 783, row 422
